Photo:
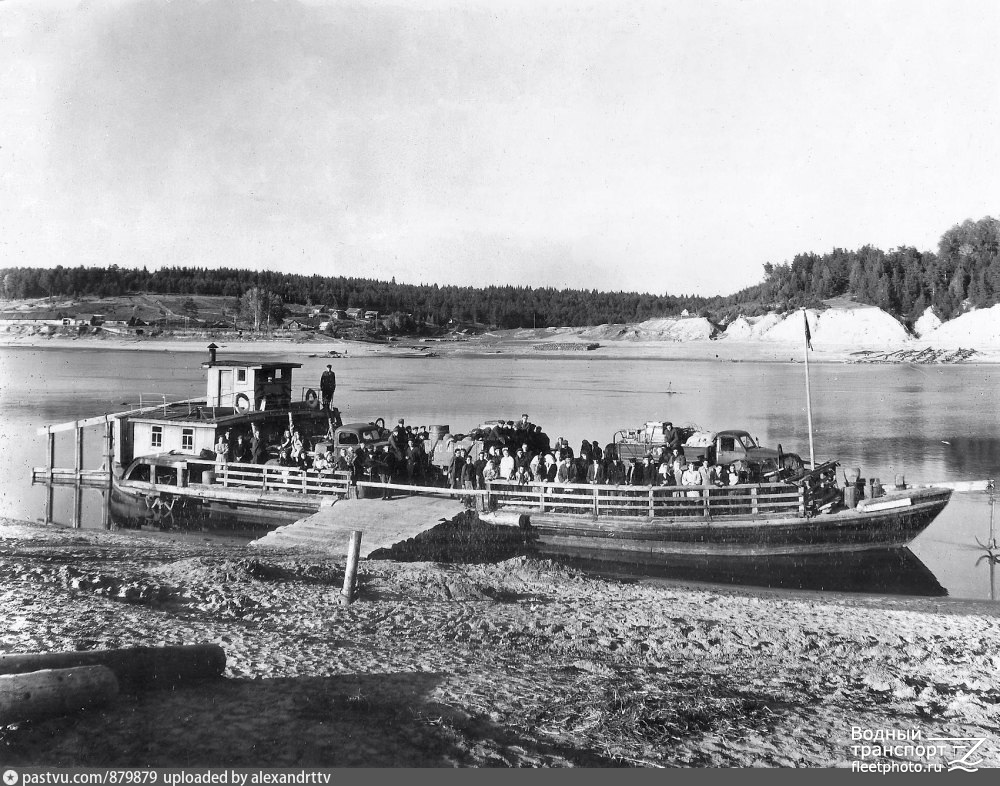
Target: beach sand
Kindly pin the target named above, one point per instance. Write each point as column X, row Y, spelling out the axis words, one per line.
column 519, row 663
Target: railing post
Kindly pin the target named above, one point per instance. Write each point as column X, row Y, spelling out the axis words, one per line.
column 652, row 509
column 707, row 505
column 225, row 475
column 802, row 500
column 753, row 501
column 541, row 498
column 596, row 507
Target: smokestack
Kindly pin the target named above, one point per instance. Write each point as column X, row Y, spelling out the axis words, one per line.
column 211, row 352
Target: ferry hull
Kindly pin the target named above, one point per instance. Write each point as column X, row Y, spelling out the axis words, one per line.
column 849, row 530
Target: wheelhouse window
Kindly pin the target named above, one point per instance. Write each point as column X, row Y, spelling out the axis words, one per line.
column 241, row 375
column 157, row 439
column 187, row 439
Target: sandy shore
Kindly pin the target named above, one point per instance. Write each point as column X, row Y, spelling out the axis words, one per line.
column 516, row 343
column 523, row 662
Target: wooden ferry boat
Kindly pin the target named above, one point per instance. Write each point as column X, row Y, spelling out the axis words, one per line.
column 742, row 520
column 162, row 457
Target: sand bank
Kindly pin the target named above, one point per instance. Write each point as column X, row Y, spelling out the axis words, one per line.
column 553, row 343
column 523, row 662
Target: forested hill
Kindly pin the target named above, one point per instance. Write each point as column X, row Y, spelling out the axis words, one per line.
column 965, row 271
column 506, row 307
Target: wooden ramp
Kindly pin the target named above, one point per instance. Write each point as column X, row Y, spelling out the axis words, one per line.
column 382, row 523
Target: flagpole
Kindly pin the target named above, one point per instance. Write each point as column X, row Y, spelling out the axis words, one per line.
column 809, row 414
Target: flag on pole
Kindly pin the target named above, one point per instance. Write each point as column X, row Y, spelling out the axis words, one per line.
column 805, row 317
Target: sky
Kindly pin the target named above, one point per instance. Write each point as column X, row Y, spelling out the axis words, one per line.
column 665, row 147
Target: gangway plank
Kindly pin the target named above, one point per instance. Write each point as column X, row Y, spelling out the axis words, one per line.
column 382, row 522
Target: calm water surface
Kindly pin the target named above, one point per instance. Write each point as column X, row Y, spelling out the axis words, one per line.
column 929, row 423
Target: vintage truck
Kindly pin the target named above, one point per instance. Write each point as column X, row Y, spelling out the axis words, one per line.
column 719, row 447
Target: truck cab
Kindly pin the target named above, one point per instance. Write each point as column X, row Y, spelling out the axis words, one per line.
column 355, row 435
column 730, row 446
column 734, row 445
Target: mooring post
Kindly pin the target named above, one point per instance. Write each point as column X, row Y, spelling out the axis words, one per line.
column 79, row 450
column 52, row 452
column 77, row 504
column 351, row 573
column 109, row 445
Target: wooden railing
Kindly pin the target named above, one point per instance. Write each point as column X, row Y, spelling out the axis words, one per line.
column 650, row 501
column 271, row 477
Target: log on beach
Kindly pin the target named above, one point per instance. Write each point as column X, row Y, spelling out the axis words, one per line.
column 135, row 667
column 38, row 694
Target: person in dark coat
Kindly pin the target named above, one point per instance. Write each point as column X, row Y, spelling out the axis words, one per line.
column 256, row 445
column 595, row 472
column 328, row 385
column 671, row 436
column 397, row 441
column 616, row 472
column 650, row 474
column 414, row 456
column 241, row 451
column 455, row 469
column 541, row 441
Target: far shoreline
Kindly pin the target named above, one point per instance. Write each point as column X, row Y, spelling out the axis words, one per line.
column 564, row 346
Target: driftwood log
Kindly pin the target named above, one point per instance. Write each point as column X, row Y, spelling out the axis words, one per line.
column 39, row 694
column 135, row 668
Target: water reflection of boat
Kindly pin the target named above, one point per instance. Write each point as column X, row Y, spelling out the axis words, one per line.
column 881, row 571
column 162, row 512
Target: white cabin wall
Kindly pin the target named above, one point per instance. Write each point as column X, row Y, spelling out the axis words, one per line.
column 204, row 438
column 245, row 385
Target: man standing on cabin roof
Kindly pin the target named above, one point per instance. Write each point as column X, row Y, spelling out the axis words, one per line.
column 327, row 385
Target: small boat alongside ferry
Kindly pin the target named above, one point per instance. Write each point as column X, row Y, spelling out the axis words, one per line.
column 164, row 458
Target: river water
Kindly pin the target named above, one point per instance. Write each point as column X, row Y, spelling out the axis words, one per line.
column 929, row 423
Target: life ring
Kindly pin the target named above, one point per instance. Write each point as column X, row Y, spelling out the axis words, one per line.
column 380, row 422
column 242, row 402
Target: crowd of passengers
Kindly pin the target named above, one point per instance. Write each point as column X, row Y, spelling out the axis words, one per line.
column 590, row 465
column 404, row 455
column 518, row 452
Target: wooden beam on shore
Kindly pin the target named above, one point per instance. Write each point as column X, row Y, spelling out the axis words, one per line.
column 47, row 692
column 134, row 667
